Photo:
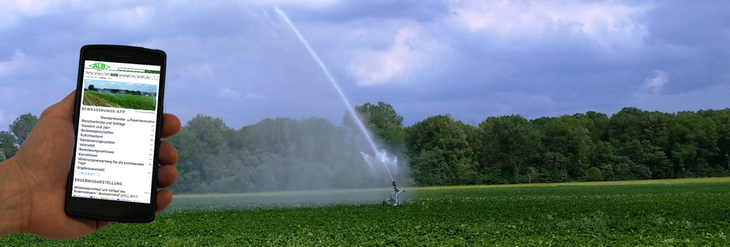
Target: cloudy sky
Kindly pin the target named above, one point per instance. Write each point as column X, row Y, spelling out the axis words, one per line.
column 239, row 61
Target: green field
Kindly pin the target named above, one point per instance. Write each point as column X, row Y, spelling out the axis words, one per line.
column 120, row 100
column 685, row 212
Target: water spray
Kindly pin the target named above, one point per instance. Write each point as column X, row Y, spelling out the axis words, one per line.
column 379, row 155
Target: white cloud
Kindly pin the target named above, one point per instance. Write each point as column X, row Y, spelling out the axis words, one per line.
column 127, row 18
column 607, row 23
column 654, row 84
column 407, row 52
column 12, row 11
column 29, row 7
column 15, row 63
column 227, row 92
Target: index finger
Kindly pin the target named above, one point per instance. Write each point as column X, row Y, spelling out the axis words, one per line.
column 170, row 125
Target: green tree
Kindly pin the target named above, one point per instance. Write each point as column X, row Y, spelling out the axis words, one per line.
column 635, row 151
column 273, row 135
column 656, row 161
column 694, row 143
column 655, row 143
column 22, row 126
column 311, row 153
column 202, row 147
column 7, row 144
column 719, row 162
column 509, row 141
column 594, row 174
column 554, row 166
column 567, row 136
column 643, row 137
column 625, row 132
column 212, row 132
column 440, row 152
column 602, row 157
column 384, row 122
column 598, row 126
column 655, row 129
column 189, row 147
column 625, row 126
column 601, row 154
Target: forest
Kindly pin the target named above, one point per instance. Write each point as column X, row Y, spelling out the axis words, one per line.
column 312, row 153
column 290, row 154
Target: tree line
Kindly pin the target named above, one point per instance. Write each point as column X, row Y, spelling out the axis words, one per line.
column 286, row 154
column 631, row 144
column 289, row 154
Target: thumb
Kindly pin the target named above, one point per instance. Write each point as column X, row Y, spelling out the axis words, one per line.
column 63, row 109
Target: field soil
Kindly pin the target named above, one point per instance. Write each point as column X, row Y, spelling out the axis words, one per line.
column 92, row 100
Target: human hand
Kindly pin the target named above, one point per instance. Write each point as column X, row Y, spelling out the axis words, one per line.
column 33, row 182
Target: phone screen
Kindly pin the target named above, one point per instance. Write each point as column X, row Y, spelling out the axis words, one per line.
column 115, row 141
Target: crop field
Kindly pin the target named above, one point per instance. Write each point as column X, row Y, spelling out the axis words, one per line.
column 685, row 212
column 119, row 100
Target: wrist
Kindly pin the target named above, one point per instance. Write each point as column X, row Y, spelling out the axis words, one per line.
column 13, row 208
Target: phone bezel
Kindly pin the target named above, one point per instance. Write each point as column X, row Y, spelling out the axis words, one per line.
column 108, row 210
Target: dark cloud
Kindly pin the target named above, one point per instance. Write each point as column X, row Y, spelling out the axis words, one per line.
column 689, row 40
column 698, row 23
column 239, row 62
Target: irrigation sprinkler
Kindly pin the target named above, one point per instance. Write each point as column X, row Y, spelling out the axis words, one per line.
column 395, row 201
column 380, row 156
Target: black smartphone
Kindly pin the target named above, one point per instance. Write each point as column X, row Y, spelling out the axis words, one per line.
column 117, row 121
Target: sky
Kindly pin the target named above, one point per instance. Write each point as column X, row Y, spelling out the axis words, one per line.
column 239, row 61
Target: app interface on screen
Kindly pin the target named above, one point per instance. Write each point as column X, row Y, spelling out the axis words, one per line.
column 116, row 136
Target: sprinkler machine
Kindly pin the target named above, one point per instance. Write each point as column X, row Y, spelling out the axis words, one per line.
column 395, row 193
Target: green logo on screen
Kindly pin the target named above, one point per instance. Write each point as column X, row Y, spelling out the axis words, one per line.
column 99, row 66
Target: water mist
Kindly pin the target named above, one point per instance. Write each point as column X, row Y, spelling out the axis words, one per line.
column 381, row 155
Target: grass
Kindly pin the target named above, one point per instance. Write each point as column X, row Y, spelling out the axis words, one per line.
column 126, row 100
column 686, row 212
